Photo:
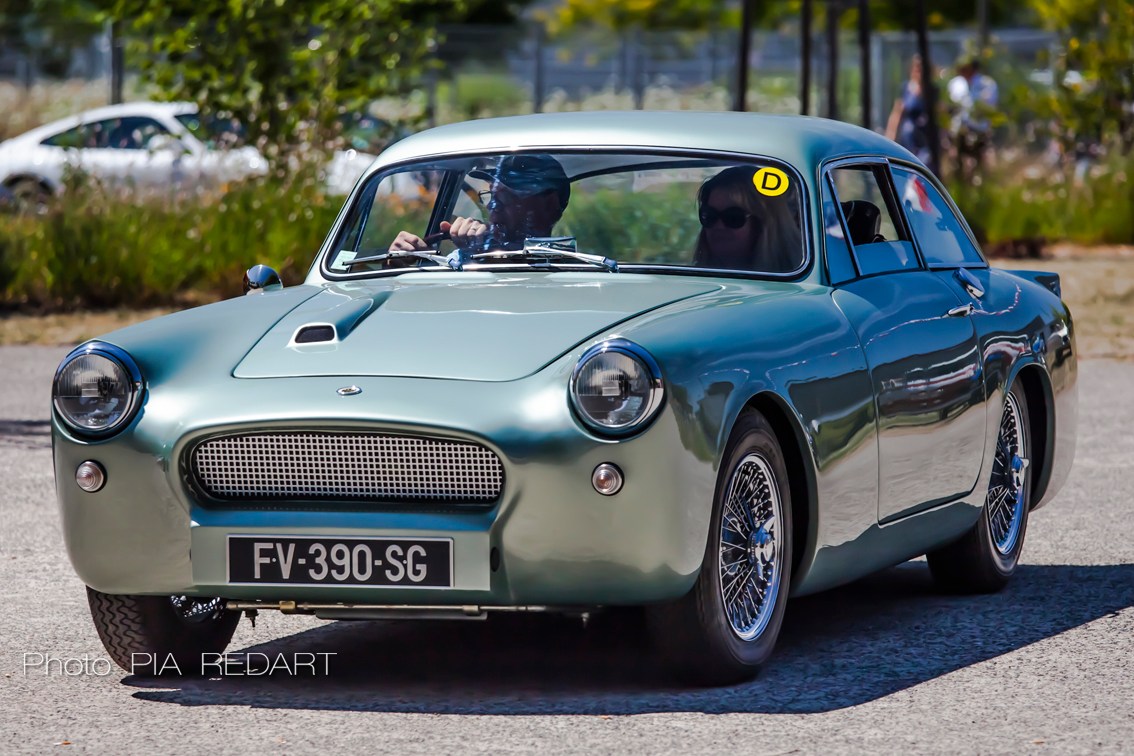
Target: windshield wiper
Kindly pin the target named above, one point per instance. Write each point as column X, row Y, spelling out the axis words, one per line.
column 550, row 248
column 452, row 262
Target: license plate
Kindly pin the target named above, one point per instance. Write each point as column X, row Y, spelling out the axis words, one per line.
column 314, row 560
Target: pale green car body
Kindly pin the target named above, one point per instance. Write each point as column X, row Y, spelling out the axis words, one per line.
column 486, row 357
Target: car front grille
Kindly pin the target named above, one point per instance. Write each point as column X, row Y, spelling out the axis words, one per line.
column 345, row 466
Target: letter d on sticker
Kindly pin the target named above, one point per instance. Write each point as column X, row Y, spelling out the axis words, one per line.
column 771, row 182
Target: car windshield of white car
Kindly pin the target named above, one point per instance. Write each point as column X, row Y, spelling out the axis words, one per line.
column 643, row 211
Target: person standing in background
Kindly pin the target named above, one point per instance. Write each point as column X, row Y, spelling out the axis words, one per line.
column 909, row 118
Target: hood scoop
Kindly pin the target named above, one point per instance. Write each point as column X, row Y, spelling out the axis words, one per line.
column 315, row 333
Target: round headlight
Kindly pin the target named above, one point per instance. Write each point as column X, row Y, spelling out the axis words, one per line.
column 616, row 387
column 97, row 389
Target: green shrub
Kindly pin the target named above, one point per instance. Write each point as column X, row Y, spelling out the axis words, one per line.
column 98, row 249
column 658, row 226
column 1017, row 202
column 480, row 95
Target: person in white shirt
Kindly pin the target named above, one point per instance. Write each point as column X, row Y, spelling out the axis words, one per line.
column 974, row 96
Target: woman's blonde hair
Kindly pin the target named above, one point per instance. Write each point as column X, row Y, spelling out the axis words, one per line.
column 778, row 247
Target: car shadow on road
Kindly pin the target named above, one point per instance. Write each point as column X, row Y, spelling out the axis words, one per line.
column 841, row 648
column 25, row 434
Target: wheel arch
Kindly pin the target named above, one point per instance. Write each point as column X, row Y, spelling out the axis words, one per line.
column 17, row 178
column 801, row 472
column 1041, row 423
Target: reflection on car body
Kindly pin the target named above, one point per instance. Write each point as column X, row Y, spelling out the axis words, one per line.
column 597, row 418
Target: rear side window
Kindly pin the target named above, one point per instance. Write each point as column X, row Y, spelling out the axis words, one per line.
column 129, row 133
column 938, row 231
column 877, row 235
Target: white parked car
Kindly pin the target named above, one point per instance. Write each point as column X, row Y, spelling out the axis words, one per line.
column 144, row 145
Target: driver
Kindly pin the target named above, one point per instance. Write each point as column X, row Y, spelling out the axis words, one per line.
column 526, row 197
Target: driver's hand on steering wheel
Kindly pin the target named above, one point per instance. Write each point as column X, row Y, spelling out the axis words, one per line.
column 407, row 242
column 466, row 232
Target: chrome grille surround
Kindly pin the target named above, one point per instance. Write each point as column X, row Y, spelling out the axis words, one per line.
column 291, row 466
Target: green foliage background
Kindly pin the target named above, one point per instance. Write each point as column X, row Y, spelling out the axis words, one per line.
column 99, row 250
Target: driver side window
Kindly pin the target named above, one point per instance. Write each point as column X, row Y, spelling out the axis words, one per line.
column 878, row 238
column 401, row 200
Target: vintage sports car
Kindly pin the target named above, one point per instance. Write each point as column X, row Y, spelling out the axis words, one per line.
column 691, row 362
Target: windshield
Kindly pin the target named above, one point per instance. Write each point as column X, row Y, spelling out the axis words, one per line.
column 656, row 210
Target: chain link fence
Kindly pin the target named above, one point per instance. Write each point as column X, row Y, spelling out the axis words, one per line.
column 483, row 71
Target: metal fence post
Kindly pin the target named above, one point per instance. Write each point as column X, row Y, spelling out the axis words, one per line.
column 537, row 70
column 117, row 62
column 833, row 11
column 864, row 60
column 805, row 59
column 740, row 102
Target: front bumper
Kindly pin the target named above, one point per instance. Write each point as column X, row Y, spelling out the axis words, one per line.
column 556, row 541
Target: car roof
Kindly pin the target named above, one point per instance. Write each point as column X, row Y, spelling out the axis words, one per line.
column 799, row 140
column 121, row 110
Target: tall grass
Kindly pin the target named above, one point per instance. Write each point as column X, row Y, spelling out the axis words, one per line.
column 1028, row 201
column 94, row 248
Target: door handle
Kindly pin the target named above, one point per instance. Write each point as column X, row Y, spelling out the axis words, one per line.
column 960, row 311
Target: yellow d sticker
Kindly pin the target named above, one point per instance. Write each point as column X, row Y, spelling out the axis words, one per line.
column 771, row 182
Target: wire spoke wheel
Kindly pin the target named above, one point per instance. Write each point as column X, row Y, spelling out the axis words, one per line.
column 751, row 547
column 1006, row 500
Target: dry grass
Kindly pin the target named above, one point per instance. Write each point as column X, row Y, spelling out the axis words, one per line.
column 1098, row 284
column 65, row 329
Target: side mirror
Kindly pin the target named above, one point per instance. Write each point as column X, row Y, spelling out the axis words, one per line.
column 261, row 278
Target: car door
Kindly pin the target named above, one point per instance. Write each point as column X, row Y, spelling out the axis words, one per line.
column 919, row 343
column 115, row 150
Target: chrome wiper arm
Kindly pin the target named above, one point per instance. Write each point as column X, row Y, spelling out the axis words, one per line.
column 551, row 248
column 451, row 262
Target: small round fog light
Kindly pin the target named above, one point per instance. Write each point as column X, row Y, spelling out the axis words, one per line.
column 90, row 476
column 607, row 479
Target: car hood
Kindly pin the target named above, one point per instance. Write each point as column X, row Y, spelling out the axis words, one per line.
column 466, row 326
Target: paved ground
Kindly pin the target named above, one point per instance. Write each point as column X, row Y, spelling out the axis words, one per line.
column 885, row 665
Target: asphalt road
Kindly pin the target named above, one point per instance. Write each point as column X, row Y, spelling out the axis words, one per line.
column 885, row 665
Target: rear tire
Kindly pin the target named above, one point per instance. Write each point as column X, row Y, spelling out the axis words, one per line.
column 718, row 635
column 986, row 557
column 161, row 635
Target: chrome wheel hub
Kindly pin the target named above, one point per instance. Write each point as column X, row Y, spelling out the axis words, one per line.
column 196, row 610
column 750, row 550
column 1007, row 488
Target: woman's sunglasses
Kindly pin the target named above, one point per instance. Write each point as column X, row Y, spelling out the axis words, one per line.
column 732, row 217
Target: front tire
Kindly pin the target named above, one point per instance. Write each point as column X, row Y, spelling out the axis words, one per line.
column 725, row 628
column 986, row 557
column 155, row 635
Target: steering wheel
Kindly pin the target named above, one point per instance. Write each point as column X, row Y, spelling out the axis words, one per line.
column 432, row 239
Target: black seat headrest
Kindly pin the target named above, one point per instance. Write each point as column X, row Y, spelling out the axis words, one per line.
column 864, row 220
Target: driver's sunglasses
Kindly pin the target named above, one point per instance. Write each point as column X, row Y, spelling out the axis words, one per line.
column 490, row 198
column 731, row 217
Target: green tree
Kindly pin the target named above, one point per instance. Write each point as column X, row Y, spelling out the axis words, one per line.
column 701, row 14
column 1096, row 101
column 621, row 15
column 49, row 30
column 283, row 69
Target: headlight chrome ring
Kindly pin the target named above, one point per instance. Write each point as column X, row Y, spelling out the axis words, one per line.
column 616, row 388
column 97, row 390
